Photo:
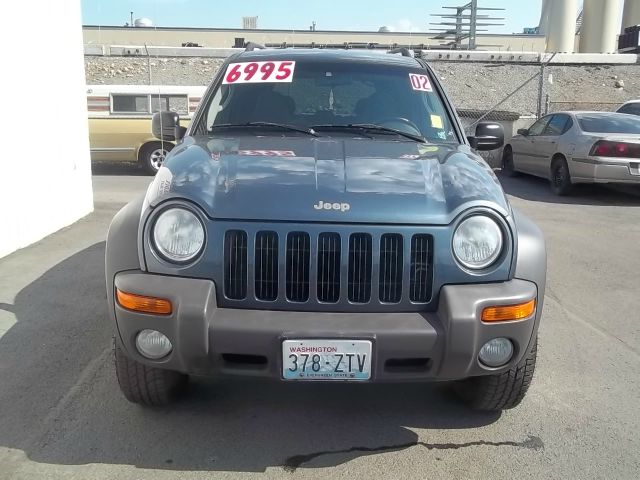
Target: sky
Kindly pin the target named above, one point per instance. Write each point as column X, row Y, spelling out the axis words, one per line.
column 413, row 15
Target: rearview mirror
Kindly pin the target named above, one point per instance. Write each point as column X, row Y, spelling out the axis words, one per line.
column 489, row 136
column 523, row 131
column 166, row 126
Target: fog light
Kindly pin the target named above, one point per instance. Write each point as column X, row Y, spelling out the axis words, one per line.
column 496, row 352
column 153, row 344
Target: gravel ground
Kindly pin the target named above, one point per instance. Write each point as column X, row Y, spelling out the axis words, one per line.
column 164, row 71
column 471, row 85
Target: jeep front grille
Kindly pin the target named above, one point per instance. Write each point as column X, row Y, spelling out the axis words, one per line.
column 421, row 269
column 266, row 266
column 340, row 268
column 235, row 264
column 297, row 267
column 390, row 268
column 329, row 267
column 360, row 253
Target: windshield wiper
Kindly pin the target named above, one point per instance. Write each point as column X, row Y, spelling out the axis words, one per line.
column 281, row 126
column 372, row 127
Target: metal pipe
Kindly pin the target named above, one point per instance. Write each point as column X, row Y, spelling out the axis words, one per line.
column 540, row 91
column 148, row 63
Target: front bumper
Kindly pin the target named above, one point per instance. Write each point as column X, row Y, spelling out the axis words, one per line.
column 208, row 340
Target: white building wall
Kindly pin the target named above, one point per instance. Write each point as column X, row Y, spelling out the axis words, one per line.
column 44, row 162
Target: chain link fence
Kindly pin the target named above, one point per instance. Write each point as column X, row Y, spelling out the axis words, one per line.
column 579, row 105
column 512, row 93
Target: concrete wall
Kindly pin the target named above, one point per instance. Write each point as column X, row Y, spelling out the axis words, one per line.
column 46, row 171
column 225, row 38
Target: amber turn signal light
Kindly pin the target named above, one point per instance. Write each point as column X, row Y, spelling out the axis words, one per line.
column 505, row 313
column 140, row 303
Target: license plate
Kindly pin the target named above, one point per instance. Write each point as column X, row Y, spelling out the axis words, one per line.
column 326, row 359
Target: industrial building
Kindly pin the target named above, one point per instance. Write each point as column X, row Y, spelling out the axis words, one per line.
column 562, row 28
column 230, row 37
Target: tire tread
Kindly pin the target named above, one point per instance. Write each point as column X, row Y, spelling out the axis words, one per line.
column 502, row 391
column 146, row 385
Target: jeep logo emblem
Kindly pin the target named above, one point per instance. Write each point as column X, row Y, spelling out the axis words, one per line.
column 342, row 207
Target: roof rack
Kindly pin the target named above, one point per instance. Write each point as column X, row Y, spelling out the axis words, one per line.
column 403, row 50
column 251, row 46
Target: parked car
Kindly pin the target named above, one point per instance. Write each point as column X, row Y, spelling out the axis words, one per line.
column 120, row 121
column 632, row 107
column 577, row 147
column 324, row 218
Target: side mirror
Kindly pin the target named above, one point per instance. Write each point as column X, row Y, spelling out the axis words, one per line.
column 489, row 136
column 523, row 131
column 166, row 126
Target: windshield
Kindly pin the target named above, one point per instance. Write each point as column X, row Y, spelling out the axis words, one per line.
column 631, row 108
column 330, row 96
column 611, row 123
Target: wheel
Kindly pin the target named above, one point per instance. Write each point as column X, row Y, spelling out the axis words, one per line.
column 152, row 155
column 147, row 385
column 508, row 168
column 560, row 177
column 506, row 390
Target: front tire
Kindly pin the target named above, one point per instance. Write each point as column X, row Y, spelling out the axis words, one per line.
column 508, row 168
column 145, row 385
column 560, row 177
column 494, row 393
column 153, row 154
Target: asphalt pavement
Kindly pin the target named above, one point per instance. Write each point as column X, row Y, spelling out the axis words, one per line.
column 62, row 415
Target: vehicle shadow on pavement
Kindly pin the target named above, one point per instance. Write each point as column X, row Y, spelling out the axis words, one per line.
column 61, row 404
column 536, row 189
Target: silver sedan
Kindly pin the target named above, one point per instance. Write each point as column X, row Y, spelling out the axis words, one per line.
column 577, row 147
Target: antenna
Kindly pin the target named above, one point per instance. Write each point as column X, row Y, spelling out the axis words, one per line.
column 464, row 26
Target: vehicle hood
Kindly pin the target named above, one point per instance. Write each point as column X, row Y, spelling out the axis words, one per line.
column 278, row 178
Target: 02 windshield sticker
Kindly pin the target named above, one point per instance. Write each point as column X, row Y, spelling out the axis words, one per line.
column 259, row 72
column 420, row 83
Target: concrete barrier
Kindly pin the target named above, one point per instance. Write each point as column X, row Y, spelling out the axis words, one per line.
column 591, row 58
column 139, row 50
column 92, row 49
column 480, row 56
column 483, row 56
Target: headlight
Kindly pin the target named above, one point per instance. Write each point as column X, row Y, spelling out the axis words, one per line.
column 477, row 242
column 178, row 235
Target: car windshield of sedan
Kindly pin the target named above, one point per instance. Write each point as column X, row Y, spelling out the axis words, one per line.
column 613, row 123
column 337, row 98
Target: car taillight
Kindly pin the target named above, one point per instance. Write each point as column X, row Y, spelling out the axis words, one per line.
column 606, row 148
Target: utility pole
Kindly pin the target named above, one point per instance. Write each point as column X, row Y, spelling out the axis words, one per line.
column 473, row 24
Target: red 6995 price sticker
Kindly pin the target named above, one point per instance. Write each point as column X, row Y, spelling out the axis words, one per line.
column 259, row 72
column 420, row 82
